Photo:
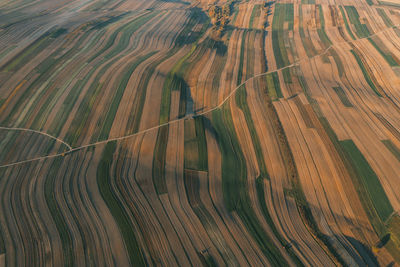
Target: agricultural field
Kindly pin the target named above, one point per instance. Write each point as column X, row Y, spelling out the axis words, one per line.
column 199, row 133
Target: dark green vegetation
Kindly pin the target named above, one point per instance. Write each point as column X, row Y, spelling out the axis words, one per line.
column 42, row 83
column 338, row 61
column 174, row 81
column 254, row 14
column 362, row 176
column 56, row 213
column 392, row 148
column 261, row 198
column 109, row 119
column 321, row 30
column 29, row 52
column 160, row 153
column 346, row 23
column 390, row 4
column 298, row 192
column 175, row 78
column 195, row 145
column 107, row 191
column 342, row 96
column 220, row 16
column 393, row 244
column 287, row 75
column 241, row 102
column 273, row 85
column 361, row 29
column 126, row 32
column 365, row 73
column 388, row 22
column 307, row 43
column 283, row 13
column 369, row 180
column 234, row 183
column 241, row 59
column 210, row 185
column 195, row 162
column 346, row 149
column 387, row 56
column 369, row 189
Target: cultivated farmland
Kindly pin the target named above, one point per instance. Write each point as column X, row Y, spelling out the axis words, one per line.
column 199, row 133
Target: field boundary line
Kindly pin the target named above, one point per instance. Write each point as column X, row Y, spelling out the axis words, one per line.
column 38, row 132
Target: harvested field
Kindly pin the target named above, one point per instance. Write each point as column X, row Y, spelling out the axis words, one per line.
column 199, row 133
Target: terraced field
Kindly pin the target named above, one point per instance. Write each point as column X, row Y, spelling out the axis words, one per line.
column 190, row 133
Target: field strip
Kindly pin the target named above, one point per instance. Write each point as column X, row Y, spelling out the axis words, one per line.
column 70, row 149
column 38, row 132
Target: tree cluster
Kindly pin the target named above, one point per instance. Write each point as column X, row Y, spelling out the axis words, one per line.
column 219, row 16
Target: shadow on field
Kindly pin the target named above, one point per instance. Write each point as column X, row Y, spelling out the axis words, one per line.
column 218, row 45
column 188, row 35
column 208, row 126
column 352, row 250
column 364, row 251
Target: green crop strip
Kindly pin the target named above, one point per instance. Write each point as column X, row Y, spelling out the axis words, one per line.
column 348, row 161
column 346, row 23
column 388, row 57
column 84, row 109
column 55, row 210
column 283, row 13
column 361, row 29
column 68, row 104
column 241, row 101
column 392, row 148
column 195, row 160
column 287, row 76
column 109, row 119
column 365, row 73
column 267, row 216
column 388, row 22
column 369, row 180
column 273, row 85
column 391, row 4
column 135, row 24
column 241, row 60
column 254, row 14
column 299, row 193
column 43, row 80
column 338, row 61
column 175, row 78
column 321, row 31
column 115, row 206
column 363, row 194
column 197, row 142
column 127, row 32
column 234, row 183
column 28, row 53
column 342, row 96
column 307, row 43
column 196, row 157
column 160, row 154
